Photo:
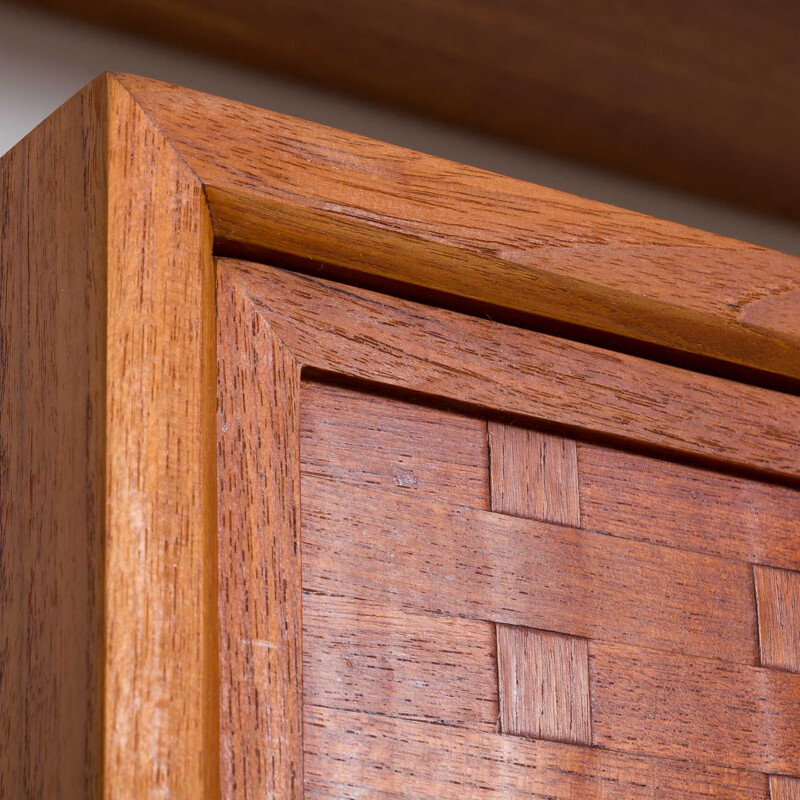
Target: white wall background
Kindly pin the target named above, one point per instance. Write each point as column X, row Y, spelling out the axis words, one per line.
column 44, row 59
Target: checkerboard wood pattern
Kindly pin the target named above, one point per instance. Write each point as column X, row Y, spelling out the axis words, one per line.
column 492, row 610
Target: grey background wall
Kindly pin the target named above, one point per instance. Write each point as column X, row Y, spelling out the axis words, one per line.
column 44, row 59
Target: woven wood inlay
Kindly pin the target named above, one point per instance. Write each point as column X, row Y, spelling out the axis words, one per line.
column 533, row 475
column 544, row 685
column 778, row 597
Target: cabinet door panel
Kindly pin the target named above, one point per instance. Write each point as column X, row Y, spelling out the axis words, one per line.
column 460, row 559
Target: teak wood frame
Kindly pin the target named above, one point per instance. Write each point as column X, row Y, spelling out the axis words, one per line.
column 114, row 209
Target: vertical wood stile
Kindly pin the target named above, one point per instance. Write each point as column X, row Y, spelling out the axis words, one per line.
column 782, row 787
column 52, row 312
column 106, row 258
column 778, row 601
column 259, row 554
column 543, row 685
column 160, row 644
column 533, row 474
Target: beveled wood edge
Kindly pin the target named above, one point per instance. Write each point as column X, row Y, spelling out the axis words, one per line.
column 161, row 717
column 297, row 308
column 258, row 434
column 760, row 345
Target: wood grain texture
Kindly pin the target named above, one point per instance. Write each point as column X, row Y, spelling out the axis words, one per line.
column 347, row 756
column 402, row 344
column 259, row 556
column 377, row 658
column 108, row 456
column 107, row 253
column 383, row 213
column 12, row 290
column 543, row 685
column 680, row 506
column 782, row 787
column 452, row 560
column 654, row 91
column 778, row 601
column 160, row 647
column 533, row 474
column 700, row 709
column 357, row 438
column 52, row 471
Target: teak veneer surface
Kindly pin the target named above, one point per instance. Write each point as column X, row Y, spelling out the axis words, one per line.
column 349, row 753
column 407, row 448
column 543, row 685
column 706, row 710
column 534, row 474
column 778, row 600
column 784, row 788
column 688, row 508
column 194, row 449
column 461, row 562
column 380, row 659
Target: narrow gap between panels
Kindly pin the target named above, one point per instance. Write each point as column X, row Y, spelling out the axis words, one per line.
column 565, row 330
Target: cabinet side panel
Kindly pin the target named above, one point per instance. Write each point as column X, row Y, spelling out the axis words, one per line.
column 52, row 328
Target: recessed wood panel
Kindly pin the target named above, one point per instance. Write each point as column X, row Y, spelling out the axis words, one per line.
column 543, row 681
column 365, row 440
column 693, row 509
column 709, row 710
column 375, row 658
column 351, row 755
column 459, row 561
column 668, row 631
column 778, row 600
column 533, row 474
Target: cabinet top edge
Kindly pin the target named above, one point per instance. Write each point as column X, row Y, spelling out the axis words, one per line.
column 297, row 193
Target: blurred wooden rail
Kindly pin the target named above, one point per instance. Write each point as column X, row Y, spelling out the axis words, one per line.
column 700, row 96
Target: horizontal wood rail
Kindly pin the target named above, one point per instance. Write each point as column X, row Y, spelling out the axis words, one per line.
column 378, row 213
